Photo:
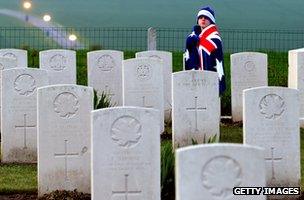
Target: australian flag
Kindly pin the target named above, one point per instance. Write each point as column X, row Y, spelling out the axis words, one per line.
column 204, row 51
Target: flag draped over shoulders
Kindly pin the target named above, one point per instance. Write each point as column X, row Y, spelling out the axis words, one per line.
column 204, row 51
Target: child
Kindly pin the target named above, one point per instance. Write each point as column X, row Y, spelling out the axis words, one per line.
column 204, row 49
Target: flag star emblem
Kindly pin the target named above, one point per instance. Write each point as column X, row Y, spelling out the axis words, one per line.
column 219, row 68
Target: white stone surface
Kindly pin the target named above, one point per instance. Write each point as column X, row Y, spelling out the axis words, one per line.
column 105, row 73
column 19, row 55
column 211, row 171
column 152, row 39
column 248, row 70
column 166, row 58
column 271, row 121
column 295, row 76
column 125, row 154
column 143, row 84
column 64, row 134
column 60, row 64
column 292, row 56
column 19, row 113
column 195, row 108
column 6, row 63
column 184, row 61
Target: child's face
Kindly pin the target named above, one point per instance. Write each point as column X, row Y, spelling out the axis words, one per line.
column 203, row 21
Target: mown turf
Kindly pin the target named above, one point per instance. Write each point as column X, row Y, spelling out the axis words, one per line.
column 18, row 178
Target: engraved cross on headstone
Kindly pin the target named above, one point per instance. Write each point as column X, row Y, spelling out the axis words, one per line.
column 144, row 103
column 25, row 126
column 66, row 155
column 272, row 160
column 196, row 109
column 126, row 192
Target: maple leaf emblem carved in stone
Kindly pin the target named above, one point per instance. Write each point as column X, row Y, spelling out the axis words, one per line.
column 272, row 106
column 214, row 171
column 66, row 105
column 126, row 131
column 25, row 84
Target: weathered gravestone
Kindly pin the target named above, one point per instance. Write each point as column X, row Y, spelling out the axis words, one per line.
column 166, row 58
column 19, row 113
column 143, row 84
column 6, row 63
column 212, row 171
column 195, row 108
column 64, row 134
column 126, row 154
column 105, row 74
column 271, row 121
column 18, row 55
column 151, row 39
column 295, row 77
column 248, row 70
column 60, row 64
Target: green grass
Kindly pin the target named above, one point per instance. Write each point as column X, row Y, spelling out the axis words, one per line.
column 231, row 133
column 18, row 178
column 167, row 170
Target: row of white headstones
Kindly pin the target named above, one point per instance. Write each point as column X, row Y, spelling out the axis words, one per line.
column 120, row 147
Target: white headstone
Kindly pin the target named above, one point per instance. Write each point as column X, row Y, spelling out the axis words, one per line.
column 6, row 63
column 143, row 84
column 248, row 70
column 19, row 113
column 60, row 64
column 166, row 58
column 292, row 61
column 212, row 171
column 18, row 55
column 152, row 37
column 126, row 154
column 195, row 108
column 295, row 76
column 105, row 73
column 64, row 134
column 271, row 121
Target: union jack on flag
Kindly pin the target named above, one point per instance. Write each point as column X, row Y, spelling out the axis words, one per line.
column 204, row 51
column 205, row 39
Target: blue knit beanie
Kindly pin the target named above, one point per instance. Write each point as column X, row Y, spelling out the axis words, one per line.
column 207, row 12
